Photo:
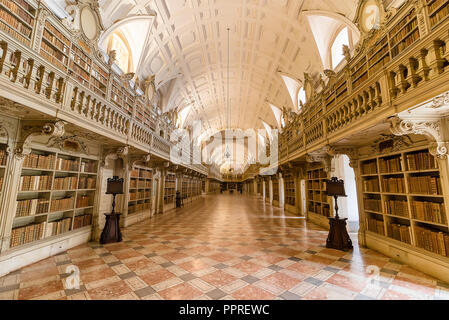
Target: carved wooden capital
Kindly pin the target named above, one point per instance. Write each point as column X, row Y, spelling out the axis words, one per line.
column 32, row 129
column 431, row 129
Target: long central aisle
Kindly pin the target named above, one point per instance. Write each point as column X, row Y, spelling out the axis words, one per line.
column 222, row 247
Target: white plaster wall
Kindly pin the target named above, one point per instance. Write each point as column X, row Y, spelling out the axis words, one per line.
column 347, row 206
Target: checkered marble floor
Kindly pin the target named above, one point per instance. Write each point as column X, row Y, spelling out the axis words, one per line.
column 221, row 247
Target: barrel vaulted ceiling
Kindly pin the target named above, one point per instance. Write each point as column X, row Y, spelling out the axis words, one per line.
column 187, row 51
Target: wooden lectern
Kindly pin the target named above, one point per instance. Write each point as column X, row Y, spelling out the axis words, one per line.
column 111, row 232
column 338, row 237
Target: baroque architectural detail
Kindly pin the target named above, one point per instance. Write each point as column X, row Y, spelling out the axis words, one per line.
column 325, row 159
column 352, row 154
column 430, row 129
column 68, row 143
column 32, row 129
column 440, row 101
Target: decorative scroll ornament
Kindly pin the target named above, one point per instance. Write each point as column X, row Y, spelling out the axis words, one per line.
column 440, row 101
column 68, row 143
column 85, row 21
column 32, row 129
column 352, row 154
column 325, row 159
column 428, row 128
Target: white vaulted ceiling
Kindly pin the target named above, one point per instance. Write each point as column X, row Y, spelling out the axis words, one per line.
column 188, row 43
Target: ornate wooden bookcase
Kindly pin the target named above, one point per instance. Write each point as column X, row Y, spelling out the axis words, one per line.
column 319, row 205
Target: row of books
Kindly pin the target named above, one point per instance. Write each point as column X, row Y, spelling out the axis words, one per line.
column 369, row 167
column 3, row 157
column 31, row 207
column 393, row 185
column 145, row 174
column 371, row 185
column 87, row 183
column 83, row 75
column 390, row 165
column 60, row 52
column 61, row 204
column 57, row 34
column 434, row 241
column 405, row 30
column 14, row 33
column 404, row 44
column 399, row 26
column 67, row 165
column 372, row 205
column 82, row 221
column 27, row 234
column 314, row 185
column 80, row 57
column 21, row 8
column 65, row 183
column 135, row 207
column 320, row 174
column 39, row 161
column 52, row 59
column 421, row 161
column 399, row 232
column 425, row 185
column 169, row 184
column 34, row 183
column 435, row 4
column 15, row 23
column 396, row 208
column 88, row 166
column 375, row 225
column 82, row 201
column 429, row 211
column 134, row 173
column 58, row 227
column 437, row 16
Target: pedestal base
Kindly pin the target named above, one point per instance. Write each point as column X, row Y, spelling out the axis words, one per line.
column 111, row 232
column 338, row 237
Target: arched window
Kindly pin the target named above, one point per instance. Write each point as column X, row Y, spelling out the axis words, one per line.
column 301, row 98
column 123, row 57
column 337, row 47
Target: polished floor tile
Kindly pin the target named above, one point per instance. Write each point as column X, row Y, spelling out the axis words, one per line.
column 220, row 247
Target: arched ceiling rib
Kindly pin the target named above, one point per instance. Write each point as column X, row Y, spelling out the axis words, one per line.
column 189, row 37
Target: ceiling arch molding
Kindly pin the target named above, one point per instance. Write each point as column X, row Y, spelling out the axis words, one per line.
column 120, row 23
column 337, row 16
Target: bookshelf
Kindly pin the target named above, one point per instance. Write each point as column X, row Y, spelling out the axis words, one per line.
column 408, row 204
column 170, row 188
column 359, row 72
column 317, row 200
column 438, row 10
column 379, row 55
column 140, row 189
column 184, row 188
column 56, row 195
column 17, row 19
column 275, row 182
column 98, row 80
column 290, row 190
column 55, row 47
column 80, row 65
column 404, row 33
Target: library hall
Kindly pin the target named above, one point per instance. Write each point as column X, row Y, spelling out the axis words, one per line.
column 224, row 150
